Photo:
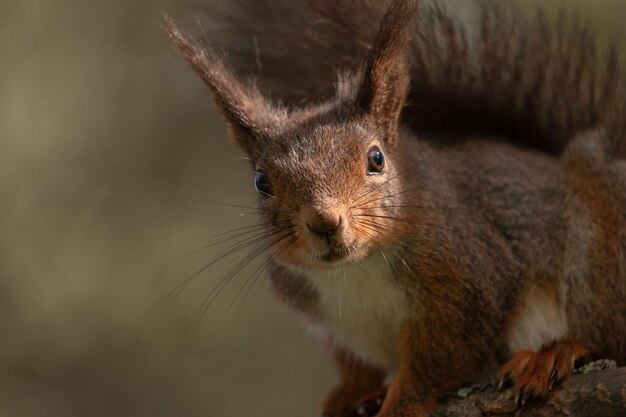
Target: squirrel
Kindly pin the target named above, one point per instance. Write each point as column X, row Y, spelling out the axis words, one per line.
column 453, row 205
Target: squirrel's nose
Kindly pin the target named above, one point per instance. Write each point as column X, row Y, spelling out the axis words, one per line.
column 324, row 224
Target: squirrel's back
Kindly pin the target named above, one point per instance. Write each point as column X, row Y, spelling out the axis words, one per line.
column 537, row 82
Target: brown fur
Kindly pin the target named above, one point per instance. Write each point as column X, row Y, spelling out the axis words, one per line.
column 357, row 380
column 506, row 74
column 468, row 224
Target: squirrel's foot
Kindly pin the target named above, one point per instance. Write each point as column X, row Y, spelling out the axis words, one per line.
column 533, row 374
column 343, row 402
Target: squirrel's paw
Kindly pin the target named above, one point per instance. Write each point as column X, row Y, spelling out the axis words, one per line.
column 341, row 402
column 533, row 374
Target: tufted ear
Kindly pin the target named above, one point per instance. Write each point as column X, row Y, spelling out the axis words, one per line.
column 386, row 80
column 248, row 115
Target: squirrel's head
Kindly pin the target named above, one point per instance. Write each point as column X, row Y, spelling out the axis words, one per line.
column 327, row 175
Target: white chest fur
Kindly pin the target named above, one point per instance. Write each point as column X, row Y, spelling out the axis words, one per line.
column 362, row 308
column 541, row 319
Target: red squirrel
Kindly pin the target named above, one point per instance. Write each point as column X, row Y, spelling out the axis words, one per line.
column 455, row 207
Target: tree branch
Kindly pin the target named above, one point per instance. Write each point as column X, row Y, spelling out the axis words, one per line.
column 592, row 394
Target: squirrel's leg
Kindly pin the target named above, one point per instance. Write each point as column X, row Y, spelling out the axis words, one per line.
column 533, row 374
column 408, row 393
column 434, row 362
column 359, row 382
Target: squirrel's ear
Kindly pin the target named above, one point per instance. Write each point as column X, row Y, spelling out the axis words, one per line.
column 386, row 79
column 248, row 115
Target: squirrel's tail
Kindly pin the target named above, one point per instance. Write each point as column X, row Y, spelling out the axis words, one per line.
column 537, row 81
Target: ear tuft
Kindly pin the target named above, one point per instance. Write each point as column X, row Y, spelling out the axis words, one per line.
column 249, row 116
column 386, row 80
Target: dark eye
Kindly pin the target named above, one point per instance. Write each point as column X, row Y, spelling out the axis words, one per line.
column 262, row 184
column 375, row 161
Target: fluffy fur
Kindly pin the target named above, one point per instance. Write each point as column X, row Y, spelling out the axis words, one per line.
column 361, row 309
column 506, row 73
column 502, row 182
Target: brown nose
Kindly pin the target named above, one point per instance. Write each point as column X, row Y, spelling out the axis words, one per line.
column 324, row 225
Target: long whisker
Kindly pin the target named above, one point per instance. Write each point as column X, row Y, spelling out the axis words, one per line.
column 252, row 228
column 213, row 203
column 217, row 289
column 405, row 264
column 257, row 209
column 415, row 207
column 414, row 221
column 258, row 273
column 173, row 293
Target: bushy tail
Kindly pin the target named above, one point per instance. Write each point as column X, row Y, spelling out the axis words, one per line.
column 537, row 81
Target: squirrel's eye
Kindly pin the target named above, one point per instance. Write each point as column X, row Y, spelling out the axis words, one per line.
column 375, row 161
column 262, row 184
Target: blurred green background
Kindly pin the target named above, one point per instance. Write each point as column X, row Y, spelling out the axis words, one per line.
column 107, row 142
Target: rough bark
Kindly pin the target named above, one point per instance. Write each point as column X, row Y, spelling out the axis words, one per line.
column 592, row 394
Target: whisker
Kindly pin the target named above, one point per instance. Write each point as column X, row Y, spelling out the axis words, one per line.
column 387, row 196
column 257, row 209
column 217, row 289
column 382, row 228
column 213, row 203
column 416, row 207
column 386, row 233
column 253, row 228
column 246, row 283
column 173, row 293
column 416, row 222
column 260, row 272
column 404, row 171
column 259, row 225
column 397, row 237
column 405, row 264
column 385, row 258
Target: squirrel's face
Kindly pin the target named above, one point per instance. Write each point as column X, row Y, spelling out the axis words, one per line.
column 326, row 173
column 330, row 192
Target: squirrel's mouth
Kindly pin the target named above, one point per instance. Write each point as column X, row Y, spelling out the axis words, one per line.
column 335, row 254
column 324, row 258
column 340, row 253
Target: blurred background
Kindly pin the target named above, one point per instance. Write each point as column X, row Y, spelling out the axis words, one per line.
column 109, row 152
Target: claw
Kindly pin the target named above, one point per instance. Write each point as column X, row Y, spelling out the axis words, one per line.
column 503, row 379
column 553, row 375
column 520, row 397
column 553, row 379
